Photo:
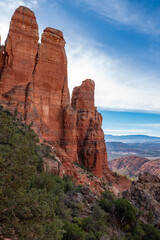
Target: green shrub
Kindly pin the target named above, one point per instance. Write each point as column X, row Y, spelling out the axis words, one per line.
column 73, row 232
column 105, row 204
column 69, row 185
column 144, row 232
column 96, row 224
column 108, row 195
column 29, row 198
column 125, row 211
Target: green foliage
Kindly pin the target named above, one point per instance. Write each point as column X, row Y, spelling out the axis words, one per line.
column 69, row 185
column 33, row 201
column 144, row 232
column 73, row 232
column 28, row 198
column 108, row 201
column 125, row 210
column 106, row 204
column 95, row 225
column 108, row 195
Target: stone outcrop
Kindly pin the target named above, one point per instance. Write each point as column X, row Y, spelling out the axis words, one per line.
column 91, row 146
column 34, row 86
column 145, row 195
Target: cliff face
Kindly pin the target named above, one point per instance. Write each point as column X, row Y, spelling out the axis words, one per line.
column 91, row 146
column 19, row 59
column 34, row 85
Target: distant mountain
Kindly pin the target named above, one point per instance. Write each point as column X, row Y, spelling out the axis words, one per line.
column 147, row 149
column 131, row 138
column 132, row 165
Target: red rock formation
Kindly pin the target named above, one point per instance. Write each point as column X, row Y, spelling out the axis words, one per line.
column 20, row 54
column 91, row 146
column 50, row 84
column 34, row 84
column 69, row 142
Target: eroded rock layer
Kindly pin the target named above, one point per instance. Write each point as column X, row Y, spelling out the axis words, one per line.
column 34, row 85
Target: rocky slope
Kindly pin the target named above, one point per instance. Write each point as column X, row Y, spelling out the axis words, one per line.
column 152, row 167
column 133, row 165
column 34, row 86
column 145, row 195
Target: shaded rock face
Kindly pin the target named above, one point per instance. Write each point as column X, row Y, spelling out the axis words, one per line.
column 34, row 85
column 145, row 195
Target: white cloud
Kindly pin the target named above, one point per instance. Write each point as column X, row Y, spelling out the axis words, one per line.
column 125, row 131
column 126, row 13
column 153, row 125
column 119, row 83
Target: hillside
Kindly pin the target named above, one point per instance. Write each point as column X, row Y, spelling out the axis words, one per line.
column 133, row 165
column 36, row 204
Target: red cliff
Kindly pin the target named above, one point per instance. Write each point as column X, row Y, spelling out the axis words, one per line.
column 34, row 85
column 91, row 147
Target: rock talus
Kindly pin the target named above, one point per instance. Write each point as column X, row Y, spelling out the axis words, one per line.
column 34, row 85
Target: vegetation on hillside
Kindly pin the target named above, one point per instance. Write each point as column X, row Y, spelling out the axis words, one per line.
column 32, row 200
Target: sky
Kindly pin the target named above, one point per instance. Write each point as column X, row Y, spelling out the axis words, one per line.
column 114, row 42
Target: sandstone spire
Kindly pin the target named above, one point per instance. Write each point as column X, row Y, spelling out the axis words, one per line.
column 33, row 81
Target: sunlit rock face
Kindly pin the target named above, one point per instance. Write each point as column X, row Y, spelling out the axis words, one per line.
column 19, row 58
column 34, row 85
column 91, row 147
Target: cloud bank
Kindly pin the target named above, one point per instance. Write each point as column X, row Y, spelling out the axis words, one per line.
column 120, row 84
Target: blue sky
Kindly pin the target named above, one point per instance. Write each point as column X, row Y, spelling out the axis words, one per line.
column 114, row 42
